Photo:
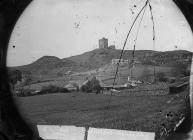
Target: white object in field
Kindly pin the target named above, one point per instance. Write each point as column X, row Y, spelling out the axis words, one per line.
column 130, row 84
column 113, row 134
column 133, row 83
column 115, row 90
column 149, row 83
column 128, row 79
column 68, row 72
column 57, row 132
column 126, row 85
column 138, row 82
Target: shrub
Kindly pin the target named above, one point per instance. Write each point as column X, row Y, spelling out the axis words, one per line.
column 92, row 85
column 52, row 89
column 14, row 76
column 25, row 92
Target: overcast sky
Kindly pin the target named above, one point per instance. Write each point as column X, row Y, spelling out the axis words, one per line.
column 65, row 28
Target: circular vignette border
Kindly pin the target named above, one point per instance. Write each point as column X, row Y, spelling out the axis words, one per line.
column 12, row 126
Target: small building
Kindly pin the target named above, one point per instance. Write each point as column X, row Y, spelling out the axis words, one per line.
column 70, row 87
column 68, row 72
column 120, row 61
column 112, row 47
column 103, row 43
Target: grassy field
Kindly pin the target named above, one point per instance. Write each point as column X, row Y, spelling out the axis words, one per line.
column 133, row 112
column 107, row 74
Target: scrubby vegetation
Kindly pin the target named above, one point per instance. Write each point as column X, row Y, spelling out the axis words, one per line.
column 53, row 89
column 49, row 89
column 92, row 85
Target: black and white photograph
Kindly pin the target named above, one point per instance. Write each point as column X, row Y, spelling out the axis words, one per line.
column 97, row 69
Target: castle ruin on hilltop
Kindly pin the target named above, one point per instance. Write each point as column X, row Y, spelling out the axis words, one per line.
column 103, row 44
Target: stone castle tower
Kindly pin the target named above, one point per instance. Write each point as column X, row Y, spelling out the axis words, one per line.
column 103, row 43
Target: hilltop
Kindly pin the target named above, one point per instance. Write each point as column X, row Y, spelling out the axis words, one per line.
column 88, row 60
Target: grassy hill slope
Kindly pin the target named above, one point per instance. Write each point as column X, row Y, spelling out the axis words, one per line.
column 48, row 67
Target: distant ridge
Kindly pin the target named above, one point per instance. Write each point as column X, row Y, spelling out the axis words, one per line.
column 98, row 58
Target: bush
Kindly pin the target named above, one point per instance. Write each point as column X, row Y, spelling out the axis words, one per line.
column 26, row 92
column 14, row 76
column 92, row 85
column 52, row 89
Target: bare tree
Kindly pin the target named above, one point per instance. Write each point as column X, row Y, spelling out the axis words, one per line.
column 27, row 79
column 14, row 76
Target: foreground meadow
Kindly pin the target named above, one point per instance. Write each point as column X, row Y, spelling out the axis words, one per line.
column 151, row 113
